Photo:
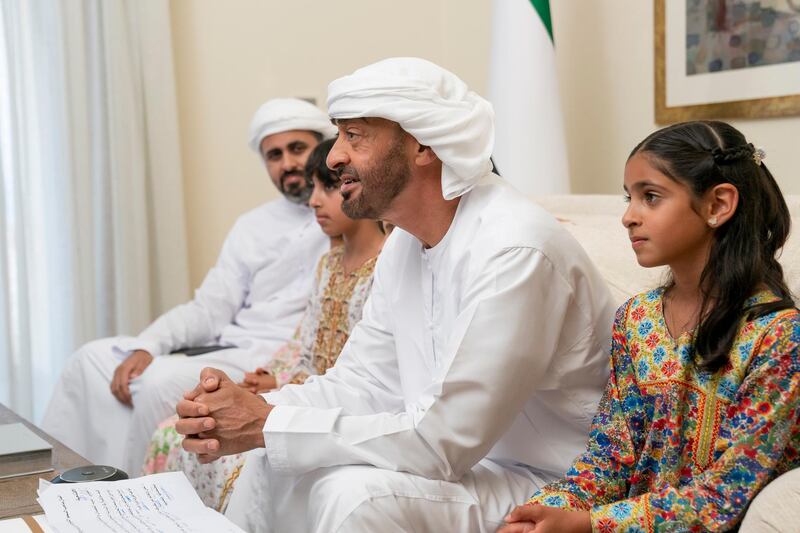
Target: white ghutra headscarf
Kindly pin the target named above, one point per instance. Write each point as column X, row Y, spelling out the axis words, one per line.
column 431, row 104
column 287, row 114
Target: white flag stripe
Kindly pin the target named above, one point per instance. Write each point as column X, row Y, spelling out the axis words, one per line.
column 530, row 150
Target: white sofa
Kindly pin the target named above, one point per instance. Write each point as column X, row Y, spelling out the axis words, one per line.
column 595, row 221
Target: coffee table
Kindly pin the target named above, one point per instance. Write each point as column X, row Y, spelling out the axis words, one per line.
column 18, row 494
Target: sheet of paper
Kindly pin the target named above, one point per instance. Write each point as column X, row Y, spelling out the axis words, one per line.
column 161, row 502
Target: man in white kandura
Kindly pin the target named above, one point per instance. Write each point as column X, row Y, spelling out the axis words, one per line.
column 475, row 371
column 250, row 303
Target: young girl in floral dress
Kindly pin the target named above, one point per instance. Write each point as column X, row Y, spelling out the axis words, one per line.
column 342, row 284
column 701, row 409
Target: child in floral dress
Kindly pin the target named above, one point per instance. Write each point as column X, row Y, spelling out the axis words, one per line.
column 701, row 409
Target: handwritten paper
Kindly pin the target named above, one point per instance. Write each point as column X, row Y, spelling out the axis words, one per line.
column 158, row 503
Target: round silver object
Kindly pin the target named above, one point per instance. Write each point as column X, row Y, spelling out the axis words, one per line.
column 92, row 473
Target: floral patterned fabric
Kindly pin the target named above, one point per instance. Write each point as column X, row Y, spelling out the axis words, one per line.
column 674, row 448
column 333, row 309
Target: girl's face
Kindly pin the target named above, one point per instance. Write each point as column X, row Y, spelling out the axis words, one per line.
column 327, row 205
column 662, row 223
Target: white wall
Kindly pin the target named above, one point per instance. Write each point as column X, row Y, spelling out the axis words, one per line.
column 231, row 56
column 605, row 60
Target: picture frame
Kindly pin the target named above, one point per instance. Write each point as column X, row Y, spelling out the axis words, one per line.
column 719, row 88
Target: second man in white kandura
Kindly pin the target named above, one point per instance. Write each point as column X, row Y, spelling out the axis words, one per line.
column 113, row 392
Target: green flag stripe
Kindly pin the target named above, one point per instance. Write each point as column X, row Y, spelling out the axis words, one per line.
column 542, row 7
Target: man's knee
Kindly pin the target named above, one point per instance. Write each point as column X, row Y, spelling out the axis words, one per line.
column 400, row 512
column 365, row 498
column 154, row 381
column 166, row 378
column 337, row 492
column 96, row 354
column 151, row 379
column 327, row 489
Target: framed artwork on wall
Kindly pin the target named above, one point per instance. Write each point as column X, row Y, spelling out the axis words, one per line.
column 726, row 59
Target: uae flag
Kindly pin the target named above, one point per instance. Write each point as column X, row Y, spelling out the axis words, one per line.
column 530, row 151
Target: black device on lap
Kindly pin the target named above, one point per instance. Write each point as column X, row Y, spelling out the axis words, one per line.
column 200, row 350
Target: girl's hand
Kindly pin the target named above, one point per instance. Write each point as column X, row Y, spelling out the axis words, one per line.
column 258, row 381
column 541, row 519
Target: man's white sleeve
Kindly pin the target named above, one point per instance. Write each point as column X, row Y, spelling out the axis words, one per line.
column 200, row 321
column 505, row 340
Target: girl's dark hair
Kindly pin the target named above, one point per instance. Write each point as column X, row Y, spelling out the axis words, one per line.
column 316, row 166
column 703, row 154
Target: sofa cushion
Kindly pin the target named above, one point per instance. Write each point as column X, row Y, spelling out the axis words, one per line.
column 776, row 509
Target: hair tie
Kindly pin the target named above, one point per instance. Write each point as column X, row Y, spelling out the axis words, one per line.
column 727, row 156
column 717, row 154
column 758, row 156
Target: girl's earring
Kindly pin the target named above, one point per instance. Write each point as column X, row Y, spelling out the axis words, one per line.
column 712, row 221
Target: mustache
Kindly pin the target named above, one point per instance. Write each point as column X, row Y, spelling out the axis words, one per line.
column 293, row 172
column 340, row 171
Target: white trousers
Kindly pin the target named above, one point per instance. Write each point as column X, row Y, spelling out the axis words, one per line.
column 84, row 415
column 364, row 498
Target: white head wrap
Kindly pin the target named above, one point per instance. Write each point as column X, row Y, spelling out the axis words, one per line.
column 431, row 104
column 287, row 114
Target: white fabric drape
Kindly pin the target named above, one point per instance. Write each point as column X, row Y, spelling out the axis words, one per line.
column 92, row 230
column 531, row 150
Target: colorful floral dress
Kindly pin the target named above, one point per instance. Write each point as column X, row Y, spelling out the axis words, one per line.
column 674, row 448
column 333, row 309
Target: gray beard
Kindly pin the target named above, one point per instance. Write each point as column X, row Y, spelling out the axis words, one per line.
column 386, row 181
column 301, row 198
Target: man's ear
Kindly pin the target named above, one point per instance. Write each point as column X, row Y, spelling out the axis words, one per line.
column 424, row 155
column 721, row 202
